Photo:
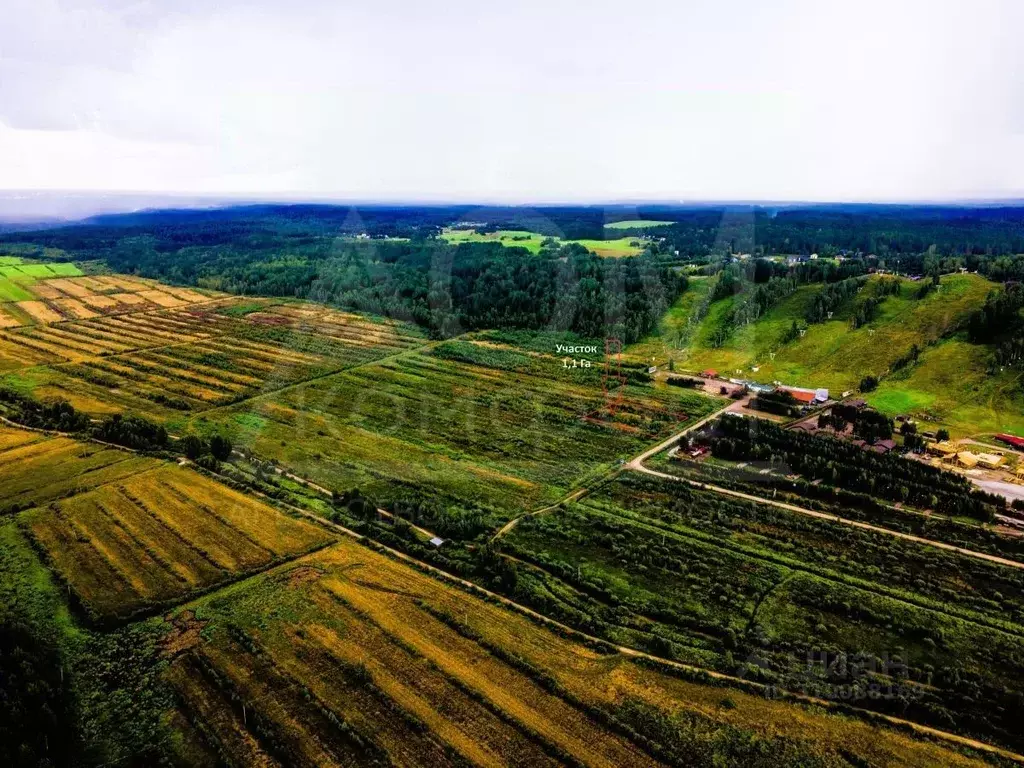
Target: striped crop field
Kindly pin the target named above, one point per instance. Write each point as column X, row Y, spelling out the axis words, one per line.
column 41, row 294
column 367, row 661
column 190, row 358
column 156, row 536
column 472, row 421
column 38, row 469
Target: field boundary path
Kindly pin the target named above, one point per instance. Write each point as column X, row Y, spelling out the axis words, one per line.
column 631, row 464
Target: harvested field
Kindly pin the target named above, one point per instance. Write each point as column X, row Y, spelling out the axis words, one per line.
column 100, row 301
column 364, row 650
column 167, row 361
column 151, row 538
column 45, row 289
column 71, row 287
column 74, row 308
column 40, row 312
column 162, row 299
column 39, row 469
column 132, row 299
column 7, row 321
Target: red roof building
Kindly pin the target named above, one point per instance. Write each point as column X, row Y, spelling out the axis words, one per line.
column 710, row 374
column 1016, row 442
column 801, row 395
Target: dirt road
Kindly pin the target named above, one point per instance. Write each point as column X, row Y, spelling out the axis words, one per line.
column 833, row 518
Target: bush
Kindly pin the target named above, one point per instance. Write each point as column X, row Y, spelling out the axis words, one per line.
column 220, row 447
column 208, row 463
column 192, row 446
column 869, row 383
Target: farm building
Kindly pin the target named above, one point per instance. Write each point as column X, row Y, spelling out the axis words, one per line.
column 991, row 460
column 883, row 446
column 944, row 448
column 967, row 459
column 806, row 396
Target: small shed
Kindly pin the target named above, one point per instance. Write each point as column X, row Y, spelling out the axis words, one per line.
column 437, row 541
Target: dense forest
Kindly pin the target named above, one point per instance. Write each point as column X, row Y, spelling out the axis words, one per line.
column 388, row 260
column 447, row 289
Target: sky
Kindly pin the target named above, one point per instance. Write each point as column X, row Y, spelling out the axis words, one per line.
column 529, row 101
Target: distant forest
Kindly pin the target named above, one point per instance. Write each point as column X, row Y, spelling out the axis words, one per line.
column 399, row 268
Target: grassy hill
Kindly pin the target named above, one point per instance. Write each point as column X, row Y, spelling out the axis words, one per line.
column 949, row 385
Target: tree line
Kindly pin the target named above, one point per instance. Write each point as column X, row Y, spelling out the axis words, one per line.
column 852, row 468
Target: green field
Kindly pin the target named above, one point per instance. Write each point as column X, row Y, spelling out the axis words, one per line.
column 476, row 423
column 531, row 241
column 36, row 271
column 15, row 275
column 714, row 582
column 638, row 224
column 11, row 290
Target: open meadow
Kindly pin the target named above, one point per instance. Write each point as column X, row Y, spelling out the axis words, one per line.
column 615, row 247
column 834, row 354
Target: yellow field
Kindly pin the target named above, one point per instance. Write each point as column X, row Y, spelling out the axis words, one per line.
column 36, row 469
column 7, row 321
column 131, row 299
column 46, row 290
column 39, row 311
column 100, row 301
column 74, row 308
column 162, row 299
column 163, row 362
column 159, row 535
column 77, row 298
column 70, row 286
column 421, row 673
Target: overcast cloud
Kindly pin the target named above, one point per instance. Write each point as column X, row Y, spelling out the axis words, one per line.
column 523, row 101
